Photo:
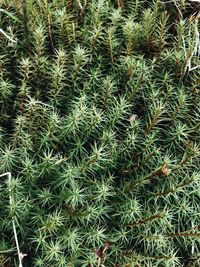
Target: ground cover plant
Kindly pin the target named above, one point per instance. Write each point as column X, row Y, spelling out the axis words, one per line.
column 99, row 133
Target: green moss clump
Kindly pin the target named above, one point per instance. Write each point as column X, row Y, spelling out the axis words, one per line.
column 99, row 127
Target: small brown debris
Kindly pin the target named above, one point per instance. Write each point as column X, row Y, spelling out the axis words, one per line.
column 107, row 244
column 133, row 118
column 165, row 170
column 99, row 252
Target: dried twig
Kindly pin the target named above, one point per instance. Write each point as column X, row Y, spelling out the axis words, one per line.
column 80, row 5
column 20, row 254
column 8, row 37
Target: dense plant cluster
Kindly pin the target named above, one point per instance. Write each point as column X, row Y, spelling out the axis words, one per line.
column 99, row 127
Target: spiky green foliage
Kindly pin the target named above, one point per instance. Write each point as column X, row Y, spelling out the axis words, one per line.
column 99, row 126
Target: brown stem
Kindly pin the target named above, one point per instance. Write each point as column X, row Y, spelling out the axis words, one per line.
column 130, row 44
column 107, row 90
column 77, row 71
column 153, row 122
column 162, row 171
column 136, row 86
column 111, row 51
column 89, row 162
column 149, row 219
column 50, row 25
column 195, row 86
column 177, row 110
column 174, row 189
column 183, row 234
column 162, row 33
column 186, row 233
column 130, row 70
